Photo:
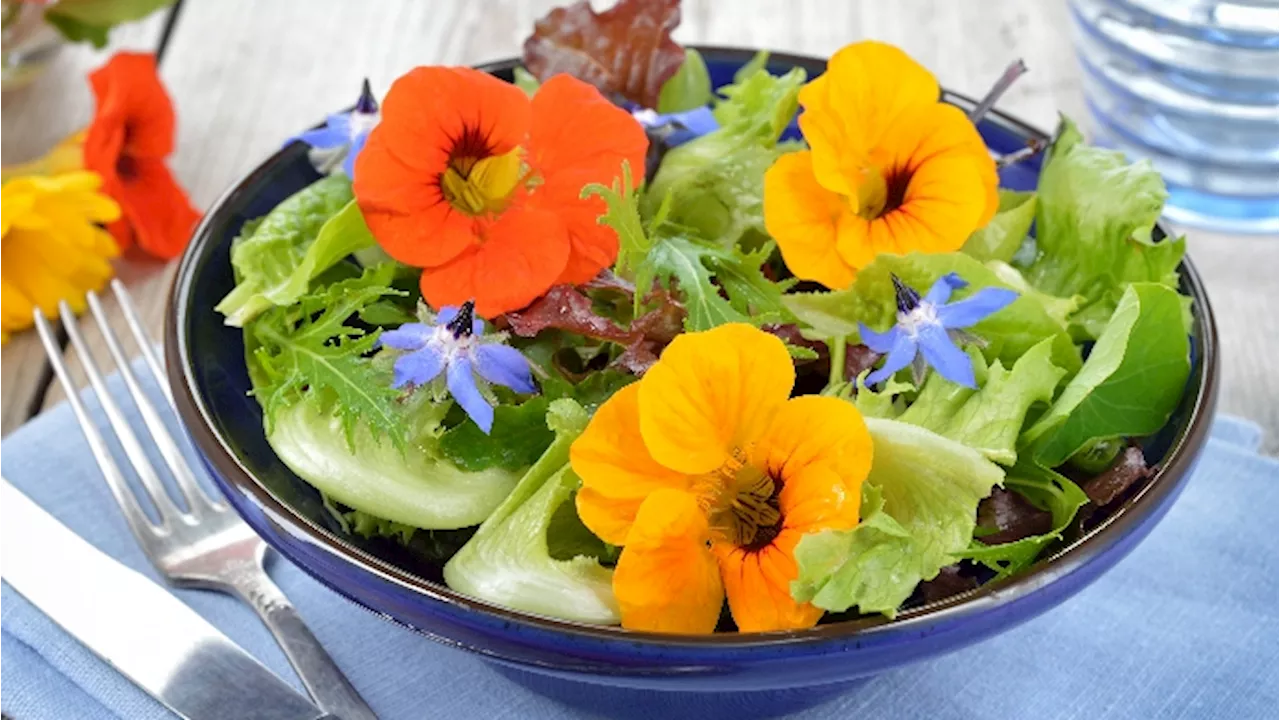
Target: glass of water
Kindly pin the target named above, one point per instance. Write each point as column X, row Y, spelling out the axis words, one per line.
column 1194, row 86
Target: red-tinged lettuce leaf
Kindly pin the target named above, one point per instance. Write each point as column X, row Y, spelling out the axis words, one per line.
column 566, row 308
column 625, row 51
column 1129, row 467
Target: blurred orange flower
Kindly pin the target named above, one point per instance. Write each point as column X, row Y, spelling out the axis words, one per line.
column 127, row 143
column 708, row 476
column 471, row 180
column 890, row 169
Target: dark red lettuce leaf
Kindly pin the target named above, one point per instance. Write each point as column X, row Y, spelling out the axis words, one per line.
column 1012, row 517
column 625, row 51
column 951, row 580
column 1128, row 468
column 567, row 308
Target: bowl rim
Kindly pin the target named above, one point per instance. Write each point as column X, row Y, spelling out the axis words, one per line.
column 194, row 413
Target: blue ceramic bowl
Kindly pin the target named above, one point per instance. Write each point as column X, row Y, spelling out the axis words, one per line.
column 207, row 373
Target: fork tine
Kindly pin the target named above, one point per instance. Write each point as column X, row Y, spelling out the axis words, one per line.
column 137, row 520
column 197, row 499
column 137, row 456
column 141, row 337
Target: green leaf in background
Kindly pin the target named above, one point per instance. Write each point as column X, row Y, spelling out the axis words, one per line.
column 749, row 291
column 509, row 561
column 1002, row 237
column 414, row 488
column 518, row 439
column 1094, row 220
column 266, row 261
column 91, row 20
column 1046, row 490
column 689, row 88
column 930, row 488
column 1010, row 333
column 880, row 403
column 525, row 80
column 1130, row 384
column 716, row 181
column 308, row 349
column 988, row 419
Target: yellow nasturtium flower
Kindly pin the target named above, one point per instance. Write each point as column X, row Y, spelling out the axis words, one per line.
column 708, row 474
column 53, row 246
column 890, row 169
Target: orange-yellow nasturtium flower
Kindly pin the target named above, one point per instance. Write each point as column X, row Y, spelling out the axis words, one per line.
column 708, row 474
column 890, row 169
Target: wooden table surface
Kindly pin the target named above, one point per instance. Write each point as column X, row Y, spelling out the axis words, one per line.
column 245, row 75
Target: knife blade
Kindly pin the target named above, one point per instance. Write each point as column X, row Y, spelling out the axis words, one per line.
column 150, row 636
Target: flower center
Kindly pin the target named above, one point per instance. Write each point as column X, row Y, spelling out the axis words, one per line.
column 923, row 314
column 881, row 192
column 480, row 185
column 743, row 504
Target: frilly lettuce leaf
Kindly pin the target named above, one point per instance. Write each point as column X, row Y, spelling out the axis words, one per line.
column 1130, row 384
column 919, row 508
column 1059, row 308
column 509, row 562
column 990, row 418
column 1002, row 237
column 689, row 88
column 301, row 237
column 414, row 488
column 1010, row 333
column 881, row 403
column 308, row 350
column 716, row 181
column 1094, row 221
column 1046, row 490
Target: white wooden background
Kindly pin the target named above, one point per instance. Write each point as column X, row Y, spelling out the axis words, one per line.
column 245, row 75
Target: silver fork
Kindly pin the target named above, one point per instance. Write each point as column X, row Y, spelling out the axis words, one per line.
column 207, row 545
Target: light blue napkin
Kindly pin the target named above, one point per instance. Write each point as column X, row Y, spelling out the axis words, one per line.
column 1185, row 627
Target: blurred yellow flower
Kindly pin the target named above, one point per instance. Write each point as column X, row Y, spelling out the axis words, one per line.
column 66, row 156
column 52, row 245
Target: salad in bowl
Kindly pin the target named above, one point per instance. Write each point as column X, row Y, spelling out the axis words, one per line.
column 612, row 345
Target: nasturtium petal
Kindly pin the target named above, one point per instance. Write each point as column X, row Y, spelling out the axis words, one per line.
column 802, row 216
column 756, row 585
column 712, row 392
column 667, row 579
column 616, row 469
column 811, row 431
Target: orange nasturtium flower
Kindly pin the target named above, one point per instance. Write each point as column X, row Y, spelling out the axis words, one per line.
column 708, row 475
column 51, row 245
column 479, row 185
column 890, row 169
column 127, row 143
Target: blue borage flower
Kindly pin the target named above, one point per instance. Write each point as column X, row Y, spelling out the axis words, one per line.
column 344, row 134
column 454, row 346
column 929, row 330
column 683, row 126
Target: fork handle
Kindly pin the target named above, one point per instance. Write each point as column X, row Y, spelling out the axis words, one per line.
column 325, row 683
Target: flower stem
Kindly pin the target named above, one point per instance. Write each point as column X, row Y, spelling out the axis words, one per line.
column 1011, row 73
column 836, row 347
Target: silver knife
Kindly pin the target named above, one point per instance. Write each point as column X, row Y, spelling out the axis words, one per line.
column 147, row 634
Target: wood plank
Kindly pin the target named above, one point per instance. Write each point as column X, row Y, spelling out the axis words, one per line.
column 56, row 104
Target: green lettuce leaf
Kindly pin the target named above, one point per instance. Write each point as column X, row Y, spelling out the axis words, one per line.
column 272, row 264
column 1130, row 384
column 1046, row 490
column 509, row 562
column 1059, row 308
column 919, row 508
column 414, row 488
column 689, row 88
column 716, row 182
column 1002, row 237
column 568, row 537
column 880, row 404
column 525, row 80
column 518, row 438
column 308, row 349
column 988, row 419
column 1094, row 220
column 1010, row 333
